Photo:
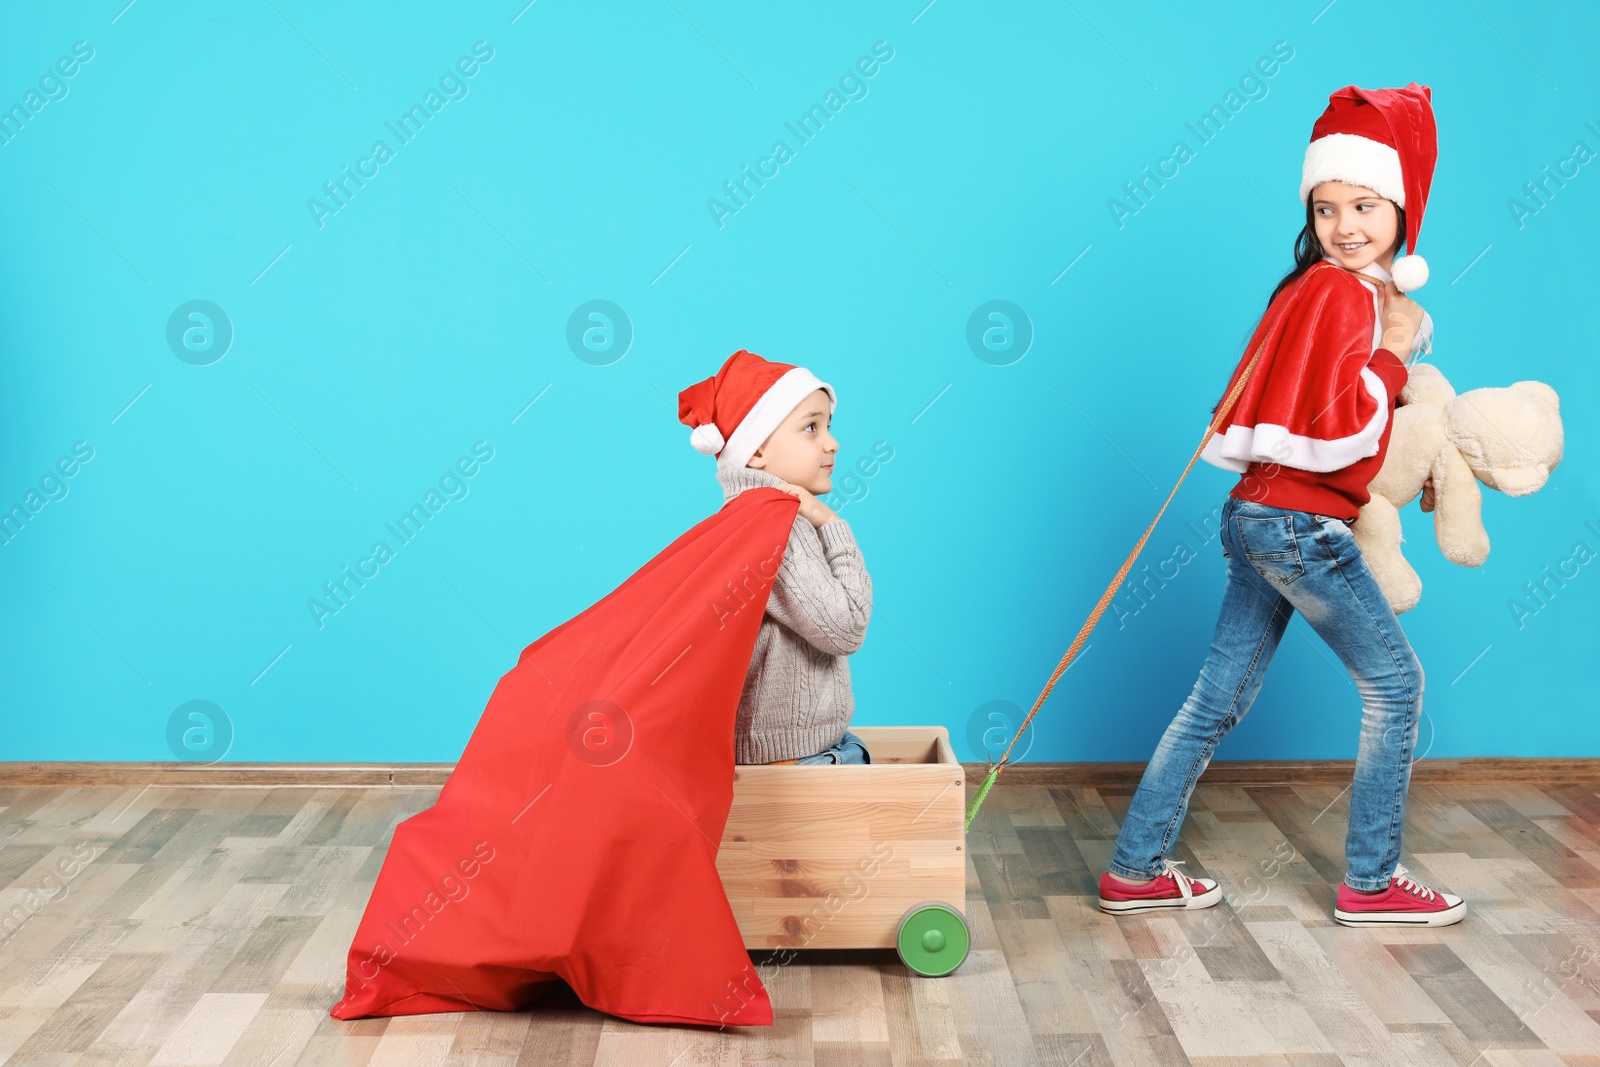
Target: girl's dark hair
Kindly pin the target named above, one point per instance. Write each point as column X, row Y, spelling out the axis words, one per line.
column 1308, row 251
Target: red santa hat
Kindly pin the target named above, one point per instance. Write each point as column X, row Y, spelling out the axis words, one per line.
column 1385, row 140
column 733, row 412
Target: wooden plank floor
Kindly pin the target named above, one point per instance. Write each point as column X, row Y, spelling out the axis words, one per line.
column 208, row 926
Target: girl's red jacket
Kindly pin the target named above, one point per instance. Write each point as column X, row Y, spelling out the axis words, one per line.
column 1311, row 427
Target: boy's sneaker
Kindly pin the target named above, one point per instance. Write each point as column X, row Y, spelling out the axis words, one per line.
column 1404, row 903
column 1172, row 889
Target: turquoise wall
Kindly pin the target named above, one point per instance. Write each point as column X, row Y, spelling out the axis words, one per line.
column 190, row 475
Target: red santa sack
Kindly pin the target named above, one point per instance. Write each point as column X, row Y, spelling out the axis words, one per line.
column 577, row 838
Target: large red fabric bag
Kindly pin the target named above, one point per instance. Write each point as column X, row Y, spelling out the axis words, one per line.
column 576, row 839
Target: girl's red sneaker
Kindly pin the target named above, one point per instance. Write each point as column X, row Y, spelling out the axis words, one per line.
column 1404, row 903
column 1171, row 889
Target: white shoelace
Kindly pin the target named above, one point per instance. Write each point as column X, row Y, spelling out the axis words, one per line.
column 1403, row 879
column 1182, row 880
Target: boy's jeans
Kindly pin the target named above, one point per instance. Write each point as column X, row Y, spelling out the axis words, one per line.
column 1280, row 561
column 850, row 749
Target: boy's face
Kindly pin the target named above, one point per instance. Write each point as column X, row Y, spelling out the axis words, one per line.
column 1355, row 225
column 801, row 450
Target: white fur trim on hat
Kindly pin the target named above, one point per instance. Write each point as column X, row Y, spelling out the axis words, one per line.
column 1354, row 160
column 769, row 412
column 707, row 439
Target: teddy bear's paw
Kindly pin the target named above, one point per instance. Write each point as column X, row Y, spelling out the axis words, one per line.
column 1404, row 602
column 1401, row 586
column 1465, row 547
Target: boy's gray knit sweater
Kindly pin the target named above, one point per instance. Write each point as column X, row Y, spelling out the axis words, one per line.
column 797, row 700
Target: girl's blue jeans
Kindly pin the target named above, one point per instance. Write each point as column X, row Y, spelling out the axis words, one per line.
column 850, row 749
column 1280, row 561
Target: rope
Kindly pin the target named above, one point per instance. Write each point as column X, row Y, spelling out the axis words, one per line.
column 1122, row 572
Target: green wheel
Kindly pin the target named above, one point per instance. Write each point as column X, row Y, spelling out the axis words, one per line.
column 932, row 939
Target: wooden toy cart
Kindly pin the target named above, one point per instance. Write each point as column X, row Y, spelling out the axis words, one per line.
column 854, row 856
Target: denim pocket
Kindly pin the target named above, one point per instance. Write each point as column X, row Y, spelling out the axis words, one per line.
column 1269, row 544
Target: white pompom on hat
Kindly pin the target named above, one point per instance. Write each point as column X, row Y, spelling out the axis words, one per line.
column 1385, row 140
column 731, row 413
column 707, row 439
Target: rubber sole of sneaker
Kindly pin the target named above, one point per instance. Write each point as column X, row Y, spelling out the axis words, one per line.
column 1447, row 917
column 1130, row 907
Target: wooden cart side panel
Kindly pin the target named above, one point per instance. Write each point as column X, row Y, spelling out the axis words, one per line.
column 829, row 856
column 850, row 901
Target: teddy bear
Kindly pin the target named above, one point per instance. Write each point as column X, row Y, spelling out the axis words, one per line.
column 1510, row 439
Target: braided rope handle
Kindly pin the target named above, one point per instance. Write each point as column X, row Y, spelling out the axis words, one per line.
column 1122, row 572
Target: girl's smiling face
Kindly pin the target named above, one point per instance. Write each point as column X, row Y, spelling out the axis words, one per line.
column 801, row 450
column 1355, row 225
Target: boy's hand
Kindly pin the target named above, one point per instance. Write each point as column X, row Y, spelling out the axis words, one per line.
column 1427, row 494
column 815, row 511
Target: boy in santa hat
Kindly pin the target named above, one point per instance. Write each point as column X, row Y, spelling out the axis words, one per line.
column 768, row 425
